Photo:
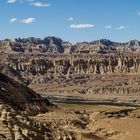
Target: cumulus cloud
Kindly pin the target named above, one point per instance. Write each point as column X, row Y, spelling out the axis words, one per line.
column 71, row 18
column 11, row 1
column 79, row 26
column 108, row 27
column 40, row 4
column 121, row 27
column 28, row 20
column 12, row 20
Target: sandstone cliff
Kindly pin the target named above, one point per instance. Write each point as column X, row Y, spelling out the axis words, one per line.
column 117, row 63
column 93, row 74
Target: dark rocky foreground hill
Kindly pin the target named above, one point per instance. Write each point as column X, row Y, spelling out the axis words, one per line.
column 17, row 103
column 21, row 97
column 19, row 106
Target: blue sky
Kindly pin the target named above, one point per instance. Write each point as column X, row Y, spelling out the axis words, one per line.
column 71, row 20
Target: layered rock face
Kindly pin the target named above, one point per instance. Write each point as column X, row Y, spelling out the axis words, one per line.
column 14, row 126
column 92, row 74
column 13, row 74
column 75, row 64
column 50, row 61
column 21, row 97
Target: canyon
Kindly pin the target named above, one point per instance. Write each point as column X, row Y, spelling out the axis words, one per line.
column 51, row 89
column 92, row 74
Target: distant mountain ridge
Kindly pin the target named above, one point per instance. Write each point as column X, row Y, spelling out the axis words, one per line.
column 57, row 45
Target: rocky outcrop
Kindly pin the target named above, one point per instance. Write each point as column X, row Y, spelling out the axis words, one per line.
column 14, row 126
column 35, row 45
column 75, row 64
column 80, row 70
column 10, row 72
column 50, row 126
column 21, row 97
column 104, row 46
column 61, row 61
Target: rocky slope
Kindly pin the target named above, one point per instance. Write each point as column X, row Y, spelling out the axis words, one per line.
column 21, row 118
column 21, row 97
column 13, row 74
column 17, row 102
column 15, row 125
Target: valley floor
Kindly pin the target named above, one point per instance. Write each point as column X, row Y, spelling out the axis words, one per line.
column 94, row 122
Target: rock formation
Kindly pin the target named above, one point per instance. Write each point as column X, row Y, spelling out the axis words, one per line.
column 53, row 45
column 52, row 66
column 61, row 64
column 21, row 97
column 14, row 126
column 23, row 116
column 82, row 70
column 35, row 45
column 75, row 64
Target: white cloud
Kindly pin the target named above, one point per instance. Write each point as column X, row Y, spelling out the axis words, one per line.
column 11, row 1
column 12, row 20
column 79, row 26
column 108, row 27
column 71, row 18
column 40, row 4
column 28, row 20
column 121, row 27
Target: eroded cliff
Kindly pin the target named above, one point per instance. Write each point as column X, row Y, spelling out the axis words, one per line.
column 94, row 74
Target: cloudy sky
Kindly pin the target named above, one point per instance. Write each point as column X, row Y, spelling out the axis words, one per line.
column 72, row 20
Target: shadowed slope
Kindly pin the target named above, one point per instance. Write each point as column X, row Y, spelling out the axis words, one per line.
column 21, row 97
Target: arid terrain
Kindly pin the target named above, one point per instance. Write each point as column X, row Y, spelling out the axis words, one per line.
column 53, row 90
